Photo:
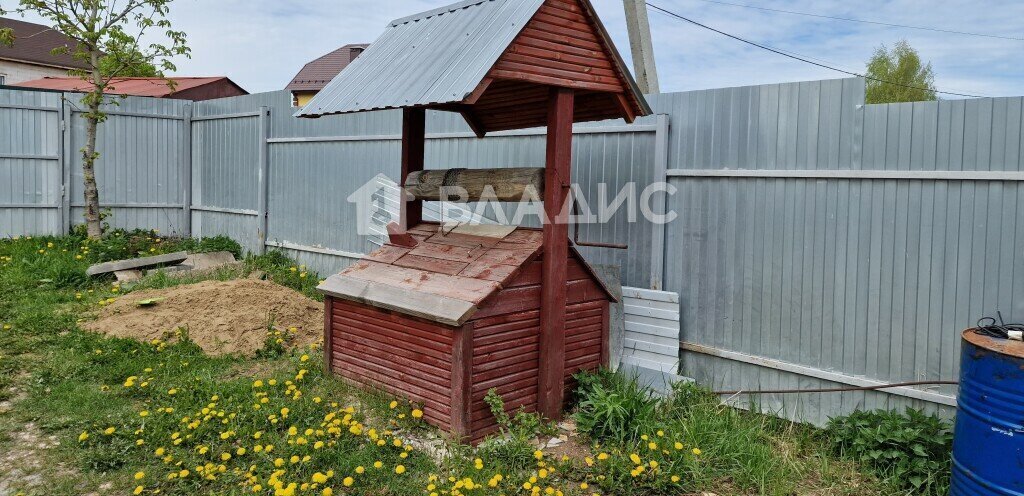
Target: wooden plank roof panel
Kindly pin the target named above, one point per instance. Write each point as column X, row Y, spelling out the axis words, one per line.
column 448, row 276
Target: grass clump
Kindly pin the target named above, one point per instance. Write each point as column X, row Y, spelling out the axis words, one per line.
column 514, row 446
column 284, row 271
column 614, row 407
column 910, row 451
column 708, row 446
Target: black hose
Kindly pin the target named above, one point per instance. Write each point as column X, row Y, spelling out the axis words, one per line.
column 987, row 326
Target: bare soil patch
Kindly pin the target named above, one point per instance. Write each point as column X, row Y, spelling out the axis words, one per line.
column 222, row 317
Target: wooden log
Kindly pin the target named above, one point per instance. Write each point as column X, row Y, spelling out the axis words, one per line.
column 509, row 185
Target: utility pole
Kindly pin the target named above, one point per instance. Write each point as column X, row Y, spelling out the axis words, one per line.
column 639, row 28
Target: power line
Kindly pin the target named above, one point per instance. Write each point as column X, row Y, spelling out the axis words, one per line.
column 865, row 21
column 804, row 59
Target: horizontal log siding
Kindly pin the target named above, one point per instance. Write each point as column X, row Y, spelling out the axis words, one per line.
column 586, row 339
column 505, row 358
column 559, row 47
column 507, row 334
column 405, row 357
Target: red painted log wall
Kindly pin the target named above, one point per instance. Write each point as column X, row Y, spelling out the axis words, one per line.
column 404, row 356
column 413, row 359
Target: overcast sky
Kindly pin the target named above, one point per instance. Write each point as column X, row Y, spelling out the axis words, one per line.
column 262, row 43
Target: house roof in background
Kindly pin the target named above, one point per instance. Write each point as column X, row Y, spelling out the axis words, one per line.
column 317, row 73
column 33, row 44
column 151, row 87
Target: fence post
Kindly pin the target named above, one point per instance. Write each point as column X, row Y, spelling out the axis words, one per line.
column 263, row 189
column 186, row 175
column 658, row 232
column 66, row 162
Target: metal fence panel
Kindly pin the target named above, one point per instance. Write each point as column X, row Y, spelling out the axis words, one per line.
column 315, row 164
column 143, row 148
column 816, row 246
column 30, row 163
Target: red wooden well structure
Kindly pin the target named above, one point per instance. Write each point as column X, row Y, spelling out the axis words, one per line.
column 441, row 316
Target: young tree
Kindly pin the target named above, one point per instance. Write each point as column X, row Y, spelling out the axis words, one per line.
column 914, row 81
column 114, row 39
column 125, row 60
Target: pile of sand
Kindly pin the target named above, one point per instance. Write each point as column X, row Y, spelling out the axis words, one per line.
column 222, row 317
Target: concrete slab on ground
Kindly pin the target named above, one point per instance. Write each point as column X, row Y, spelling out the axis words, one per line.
column 137, row 263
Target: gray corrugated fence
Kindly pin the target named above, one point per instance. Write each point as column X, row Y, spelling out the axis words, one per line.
column 314, row 165
column 819, row 241
column 143, row 148
column 822, row 242
column 31, row 163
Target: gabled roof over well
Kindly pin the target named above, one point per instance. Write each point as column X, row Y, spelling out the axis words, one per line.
column 320, row 71
column 492, row 61
column 448, row 275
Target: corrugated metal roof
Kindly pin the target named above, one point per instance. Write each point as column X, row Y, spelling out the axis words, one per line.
column 436, row 57
column 152, row 87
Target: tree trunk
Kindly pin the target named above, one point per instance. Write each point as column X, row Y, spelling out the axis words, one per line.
column 93, row 227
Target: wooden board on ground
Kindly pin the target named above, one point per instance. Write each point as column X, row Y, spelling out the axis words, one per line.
column 137, row 263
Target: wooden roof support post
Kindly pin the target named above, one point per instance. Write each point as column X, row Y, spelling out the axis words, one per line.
column 414, row 131
column 557, row 181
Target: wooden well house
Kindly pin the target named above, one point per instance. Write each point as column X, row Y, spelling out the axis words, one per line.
column 442, row 314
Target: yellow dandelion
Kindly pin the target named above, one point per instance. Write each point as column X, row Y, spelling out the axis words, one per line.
column 400, row 469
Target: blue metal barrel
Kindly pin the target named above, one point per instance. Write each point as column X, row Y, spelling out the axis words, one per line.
column 988, row 440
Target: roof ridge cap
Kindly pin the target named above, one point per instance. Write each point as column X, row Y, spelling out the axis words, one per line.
column 438, row 11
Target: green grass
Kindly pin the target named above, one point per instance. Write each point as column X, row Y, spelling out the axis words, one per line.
column 740, row 452
column 198, row 411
